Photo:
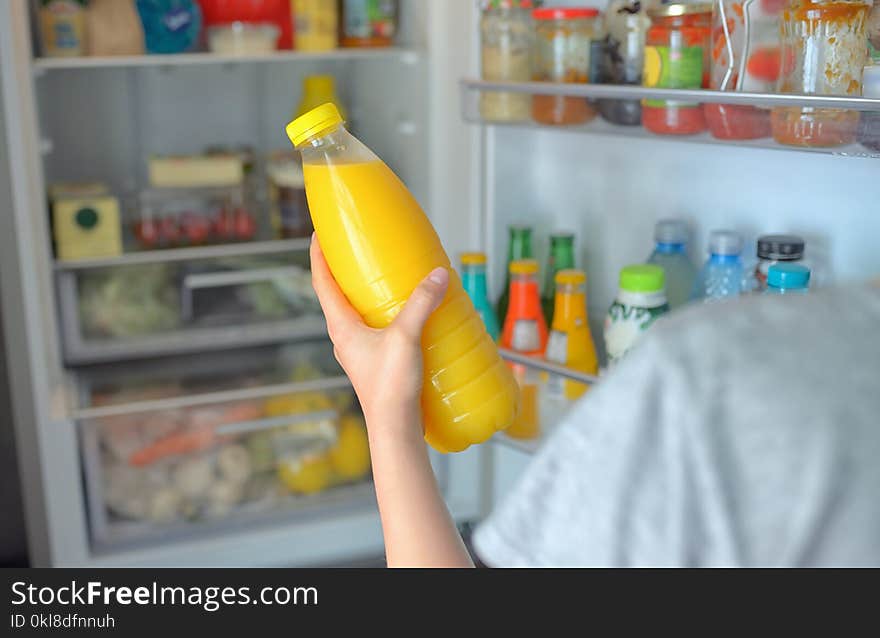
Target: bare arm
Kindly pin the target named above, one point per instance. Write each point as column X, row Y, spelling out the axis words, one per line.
column 385, row 368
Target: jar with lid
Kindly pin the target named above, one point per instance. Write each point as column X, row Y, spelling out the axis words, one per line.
column 368, row 23
column 774, row 249
column 505, row 52
column 677, row 57
column 744, row 57
column 823, row 52
column 627, row 25
column 869, row 127
column 788, row 279
column 563, row 41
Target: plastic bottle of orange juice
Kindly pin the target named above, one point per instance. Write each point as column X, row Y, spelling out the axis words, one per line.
column 379, row 246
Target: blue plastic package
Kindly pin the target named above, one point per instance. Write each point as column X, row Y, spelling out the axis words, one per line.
column 170, row 26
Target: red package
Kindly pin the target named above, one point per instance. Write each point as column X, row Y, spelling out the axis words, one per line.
column 277, row 12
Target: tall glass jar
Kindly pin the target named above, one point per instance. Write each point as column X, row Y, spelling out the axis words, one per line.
column 677, row 57
column 505, row 52
column 823, row 53
column 563, row 40
column 745, row 57
column 627, row 25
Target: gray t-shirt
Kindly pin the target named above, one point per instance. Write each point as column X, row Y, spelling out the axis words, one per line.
column 744, row 433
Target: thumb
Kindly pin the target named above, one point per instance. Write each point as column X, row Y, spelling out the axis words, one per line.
column 422, row 302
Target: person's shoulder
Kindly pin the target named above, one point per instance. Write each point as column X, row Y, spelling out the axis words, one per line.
column 756, row 323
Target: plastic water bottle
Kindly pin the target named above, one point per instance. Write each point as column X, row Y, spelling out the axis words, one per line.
column 670, row 253
column 723, row 274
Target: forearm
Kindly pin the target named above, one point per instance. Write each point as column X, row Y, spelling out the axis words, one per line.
column 417, row 527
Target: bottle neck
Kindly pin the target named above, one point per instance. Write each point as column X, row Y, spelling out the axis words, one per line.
column 520, row 246
column 664, row 248
column 561, row 258
column 473, row 278
column 570, row 306
column 524, row 300
column 724, row 259
column 335, row 146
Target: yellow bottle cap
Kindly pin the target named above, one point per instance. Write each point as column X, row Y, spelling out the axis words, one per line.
column 571, row 277
column 315, row 122
column 524, row 267
column 473, row 259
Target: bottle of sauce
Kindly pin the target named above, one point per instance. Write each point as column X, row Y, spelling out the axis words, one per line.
column 519, row 247
column 379, row 246
column 570, row 342
column 368, row 23
column 473, row 278
column 525, row 331
column 561, row 258
column 640, row 301
column 676, row 57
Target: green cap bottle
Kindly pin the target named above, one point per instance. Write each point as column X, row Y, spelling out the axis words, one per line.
column 561, row 258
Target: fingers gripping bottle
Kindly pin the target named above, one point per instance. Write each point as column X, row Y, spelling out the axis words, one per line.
column 379, row 246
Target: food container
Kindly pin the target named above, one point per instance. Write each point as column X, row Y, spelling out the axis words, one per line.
column 85, row 221
column 288, row 207
column 317, row 25
column 505, row 56
column 869, row 126
column 368, row 23
column 563, row 41
column 186, row 171
column 163, row 460
column 63, row 28
column 176, row 217
column 677, row 57
column 745, row 57
column 624, row 57
column 277, row 13
column 823, row 53
column 773, row 249
column 122, row 312
column 242, row 38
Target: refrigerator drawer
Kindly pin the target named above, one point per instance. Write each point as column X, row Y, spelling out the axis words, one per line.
column 143, row 310
column 157, row 475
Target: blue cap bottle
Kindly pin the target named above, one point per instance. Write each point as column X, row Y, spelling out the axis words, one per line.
column 788, row 279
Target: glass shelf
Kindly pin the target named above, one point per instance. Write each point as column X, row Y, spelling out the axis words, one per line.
column 41, row 65
column 852, row 123
column 552, row 405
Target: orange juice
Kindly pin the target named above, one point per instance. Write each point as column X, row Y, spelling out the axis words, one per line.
column 571, row 343
column 379, row 246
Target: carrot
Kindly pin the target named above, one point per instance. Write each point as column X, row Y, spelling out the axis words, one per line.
column 186, row 442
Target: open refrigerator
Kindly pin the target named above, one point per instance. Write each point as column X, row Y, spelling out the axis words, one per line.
column 417, row 105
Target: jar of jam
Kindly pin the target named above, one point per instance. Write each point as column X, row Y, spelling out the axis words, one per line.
column 676, row 57
column 563, row 40
column 368, row 23
column 823, row 53
column 627, row 25
column 505, row 52
column 773, row 249
column 869, row 127
column 745, row 57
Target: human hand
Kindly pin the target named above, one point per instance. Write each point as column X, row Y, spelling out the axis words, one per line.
column 384, row 366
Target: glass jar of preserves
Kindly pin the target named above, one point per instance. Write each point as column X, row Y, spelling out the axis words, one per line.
column 562, row 54
column 627, row 25
column 676, row 57
column 869, row 128
column 505, row 52
column 368, row 23
column 745, row 57
column 823, row 53
column 773, row 249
